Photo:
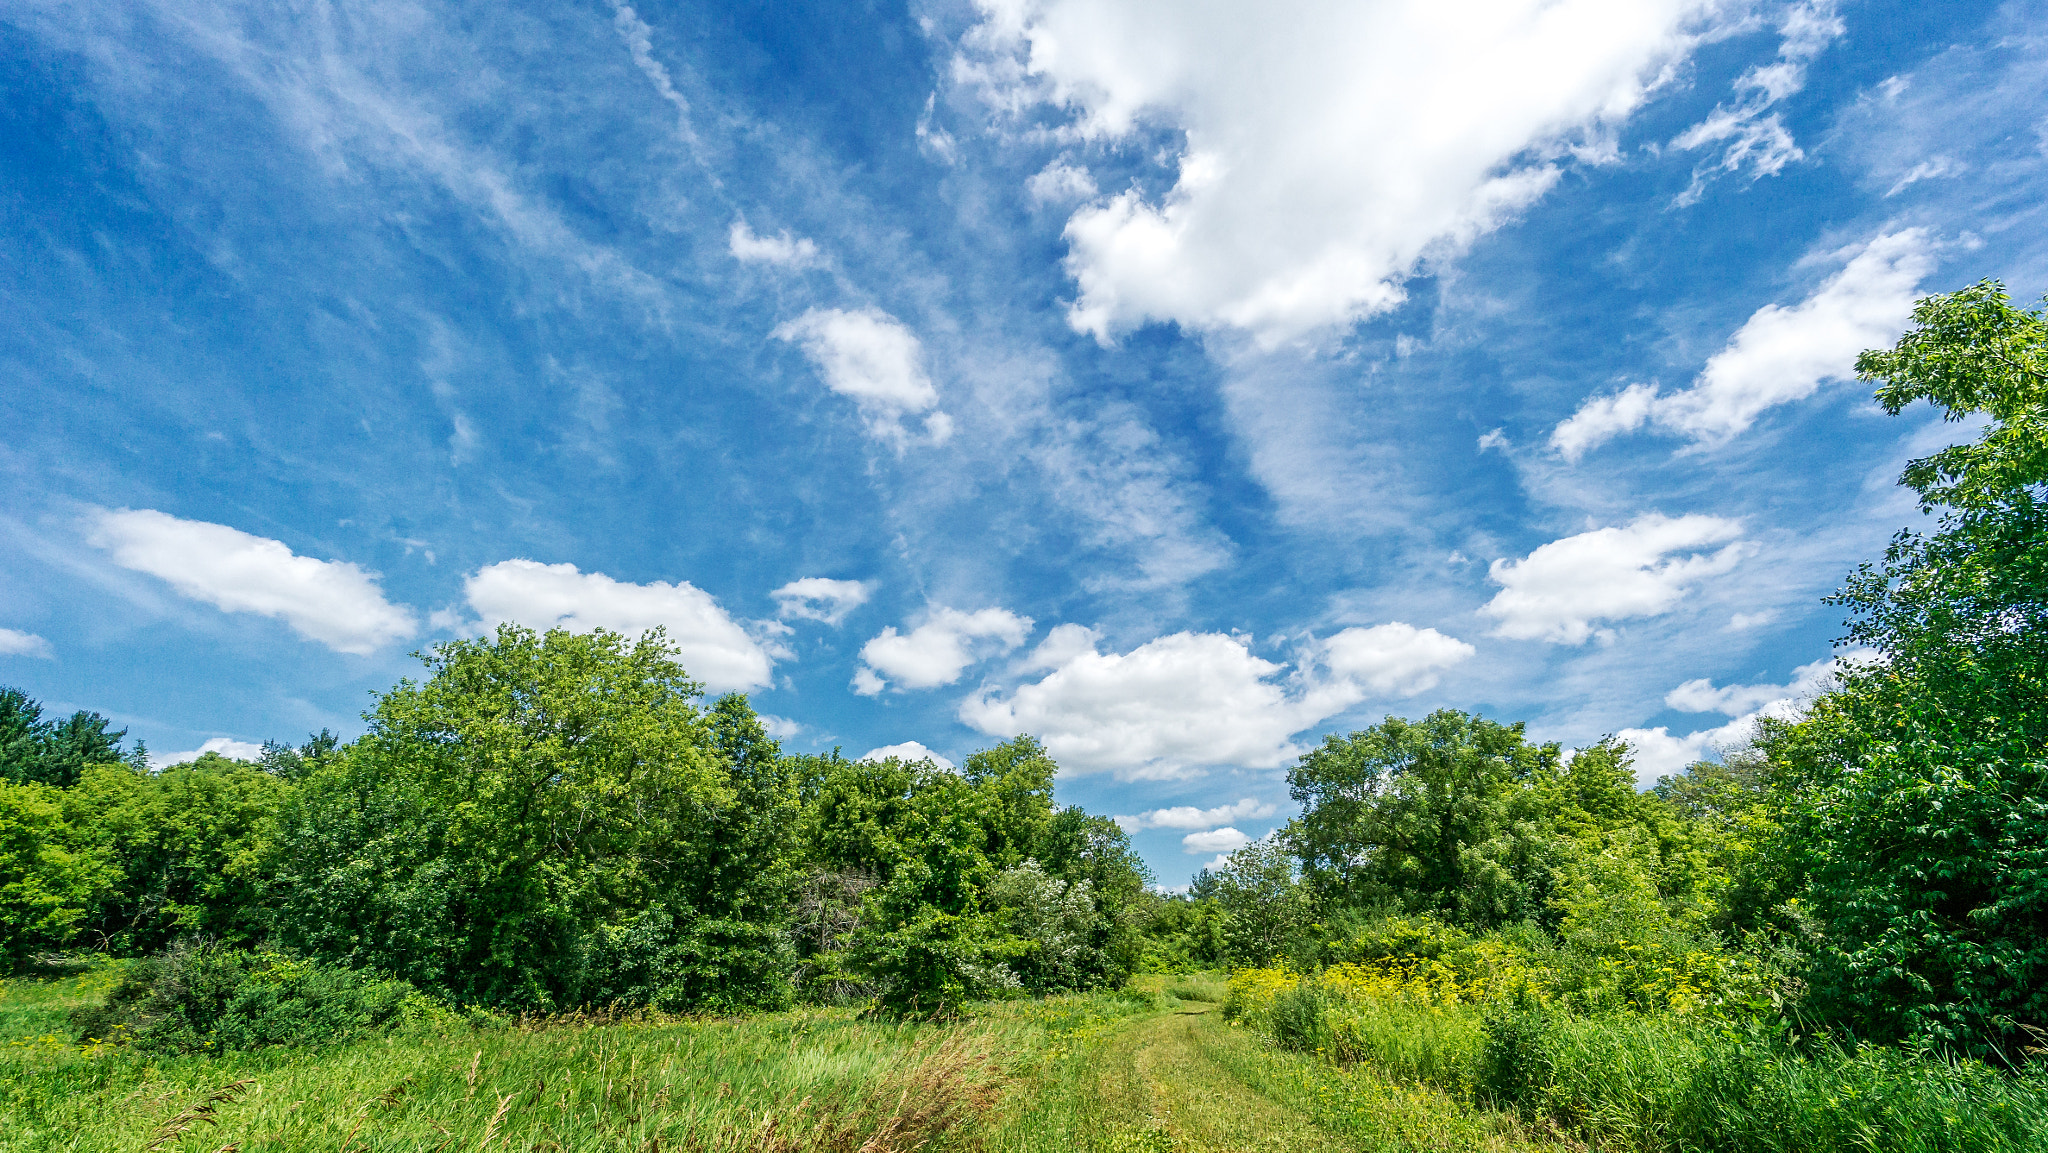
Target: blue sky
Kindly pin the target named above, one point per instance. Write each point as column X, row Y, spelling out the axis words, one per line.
column 1177, row 382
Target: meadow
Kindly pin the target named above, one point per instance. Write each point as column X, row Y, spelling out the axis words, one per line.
column 1153, row 1067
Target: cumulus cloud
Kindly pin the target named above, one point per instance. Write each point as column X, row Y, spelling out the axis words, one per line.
column 870, row 357
column 781, row 728
column 1394, row 659
column 1060, row 182
column 820, row 599
column 1180, row 702
column 1756, row 137
column 713, row 647
column 15, row 643
column 1658, row 752
column 1641, row 569
column 907, row 751
column 332, row 602
column 939, row 650
column 1327, row 147
column 1190, row 817
column 1225, row 840
column 227, row 747
column 781, row 250
column 1778, row 356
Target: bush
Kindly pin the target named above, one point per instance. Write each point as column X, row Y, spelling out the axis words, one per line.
column 933, row 966
column 192, row 1000
column 700, row 965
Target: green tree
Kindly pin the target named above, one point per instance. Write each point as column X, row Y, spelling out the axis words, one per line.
column 190, row 844
column 503, row 821
column 50, row 877
column 1917, row 792
column 1264, row 904
column 1389, row 813
column 52, row 752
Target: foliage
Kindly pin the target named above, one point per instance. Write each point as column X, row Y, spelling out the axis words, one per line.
column 39, row 750
column 1265, row 907
column 190, row 842
column 51, row 875
column 1916, row 793
column 1054, row 923
column 195, row 1000
column 534, row 790
column 1388, row 813
column 970, row 884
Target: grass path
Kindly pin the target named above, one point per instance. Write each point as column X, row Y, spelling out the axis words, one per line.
column 1180, row 1079
column 1176, row 1096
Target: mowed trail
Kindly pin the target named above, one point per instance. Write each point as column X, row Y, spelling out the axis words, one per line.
column 1165, row 1093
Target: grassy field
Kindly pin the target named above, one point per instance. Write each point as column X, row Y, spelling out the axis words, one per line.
column 1155, row 1068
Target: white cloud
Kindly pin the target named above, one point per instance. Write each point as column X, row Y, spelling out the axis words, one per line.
column 332, row 602
column 232, row 749
column 713, row 647
column 1225, row 840
column 1778, row 356
column 1929, row 169
column 1658, row 752
column 907, row 751
column 1393, row 659
column 820, row 599
column 1060, row 182
column 937, row 651
column 781, row 250
column 15, row 643
column 1603, row 418
column 1700, row 696
column 781, row 728
column 639, row 38
column 1190, row 817
column 1179, row 702
column 1641, row 569
column 1327, row 147
column 1757, row 137
column 872, row 358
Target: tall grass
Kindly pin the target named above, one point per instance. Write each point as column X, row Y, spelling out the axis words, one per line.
column 812, row 1080
column 1650, row 1081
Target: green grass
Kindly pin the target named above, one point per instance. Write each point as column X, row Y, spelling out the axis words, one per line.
column 815, row 1079
column 1413, row 1043
column 1631, row 1081
column 1154, row 1068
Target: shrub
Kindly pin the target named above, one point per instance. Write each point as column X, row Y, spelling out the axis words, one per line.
column 701, row 964
column 193, row 1000
column 934, row 965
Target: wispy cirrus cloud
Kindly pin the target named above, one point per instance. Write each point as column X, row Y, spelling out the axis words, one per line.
column 1780, row 355
column 1754, row 136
